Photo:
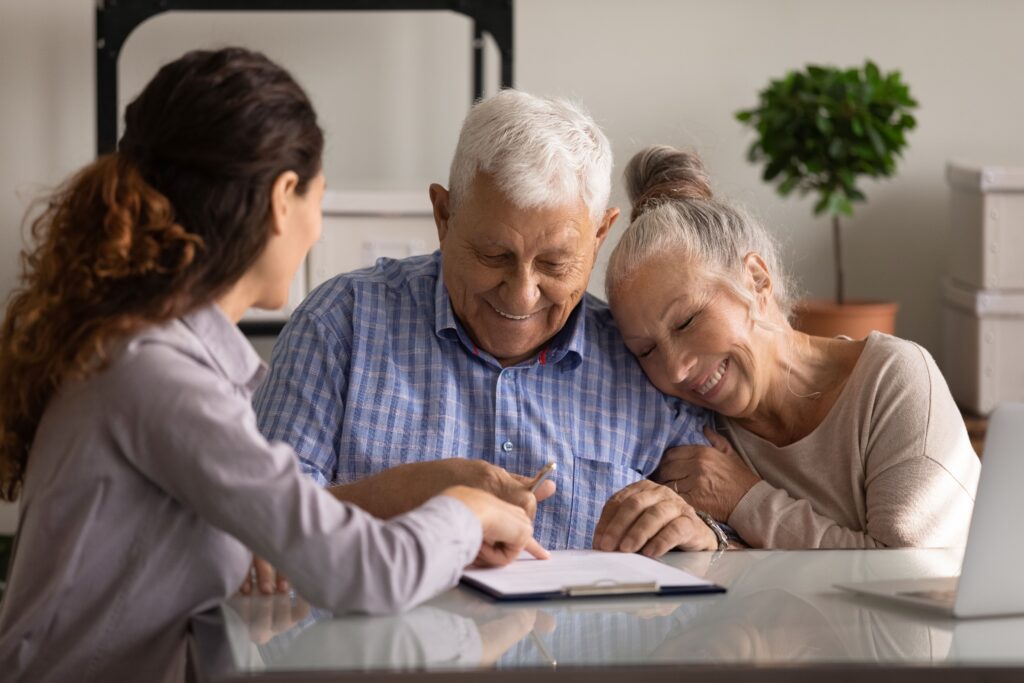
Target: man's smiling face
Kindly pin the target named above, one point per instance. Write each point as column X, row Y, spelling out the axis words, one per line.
column 514, row 274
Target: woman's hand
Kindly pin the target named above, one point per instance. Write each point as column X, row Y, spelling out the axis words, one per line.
column 268, row 616
column 264, row 578
column 651, row 519
column 507, row 529
column 711, row 478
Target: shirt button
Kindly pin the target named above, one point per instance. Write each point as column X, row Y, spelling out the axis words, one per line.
column 507, row 446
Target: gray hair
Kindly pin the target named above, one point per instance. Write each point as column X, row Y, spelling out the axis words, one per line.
column 541, row 152
column 674, row 211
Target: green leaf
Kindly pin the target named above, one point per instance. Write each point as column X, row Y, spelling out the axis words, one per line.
column 872, row 73
column 836, row 149
column 823, row 124
column 847, row 178
column 772, row 170
column 788, row 185
column 821, row 204
column 838, row 204
column 876, row 141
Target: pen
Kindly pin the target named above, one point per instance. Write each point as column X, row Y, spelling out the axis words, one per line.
column 542, row 475
column 540, row 647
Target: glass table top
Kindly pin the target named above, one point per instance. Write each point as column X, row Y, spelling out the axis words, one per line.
column 781, row 607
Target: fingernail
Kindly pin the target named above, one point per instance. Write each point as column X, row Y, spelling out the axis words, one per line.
column 267, row 587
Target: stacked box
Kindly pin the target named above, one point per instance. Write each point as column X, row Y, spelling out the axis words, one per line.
column 983, row 297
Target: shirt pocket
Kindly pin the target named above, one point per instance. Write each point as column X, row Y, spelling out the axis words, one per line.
column 594, row 481
column 384, row 445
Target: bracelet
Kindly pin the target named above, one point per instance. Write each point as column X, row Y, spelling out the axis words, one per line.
column 723, row 540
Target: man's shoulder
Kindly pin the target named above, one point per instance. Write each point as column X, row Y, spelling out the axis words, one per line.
column 414, row 278
column 606, row 354
column 623, row 383
column 602, row 334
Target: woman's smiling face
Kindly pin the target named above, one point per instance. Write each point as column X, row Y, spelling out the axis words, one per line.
column 693, row 336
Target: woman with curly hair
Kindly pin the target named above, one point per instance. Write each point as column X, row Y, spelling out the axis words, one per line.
column 125, row 422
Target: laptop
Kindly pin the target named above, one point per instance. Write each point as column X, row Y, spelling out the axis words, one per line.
column 990, row 581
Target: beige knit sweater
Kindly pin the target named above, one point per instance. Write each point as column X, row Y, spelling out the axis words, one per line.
column 890, row 465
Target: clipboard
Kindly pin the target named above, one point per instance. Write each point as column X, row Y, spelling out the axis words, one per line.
column 583, row 574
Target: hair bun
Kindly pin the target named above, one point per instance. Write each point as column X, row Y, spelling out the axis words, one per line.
column 660, row 172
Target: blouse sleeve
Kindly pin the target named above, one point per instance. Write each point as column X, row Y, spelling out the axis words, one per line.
column 194, row 435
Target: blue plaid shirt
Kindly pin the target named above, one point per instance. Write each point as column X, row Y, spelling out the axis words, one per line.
column 374, row 370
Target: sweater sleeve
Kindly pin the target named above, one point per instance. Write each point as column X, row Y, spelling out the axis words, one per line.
column 919, row 470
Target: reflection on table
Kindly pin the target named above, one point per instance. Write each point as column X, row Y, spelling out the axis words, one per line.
column 780, row 608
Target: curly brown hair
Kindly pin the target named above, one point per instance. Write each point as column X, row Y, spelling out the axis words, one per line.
column 164, row 225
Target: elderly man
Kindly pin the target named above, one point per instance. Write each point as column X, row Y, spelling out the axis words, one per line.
column 485, row 360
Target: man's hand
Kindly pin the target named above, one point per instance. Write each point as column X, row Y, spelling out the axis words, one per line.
column 507, row 530
column 511, row 488
column 402, row 488
column 651, row 519
column 711, row 478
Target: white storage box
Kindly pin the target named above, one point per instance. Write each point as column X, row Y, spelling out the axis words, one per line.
column 359, row 228
column 983, row 340
column 987, row 216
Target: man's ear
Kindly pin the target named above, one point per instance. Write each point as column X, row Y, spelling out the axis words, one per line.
column 607, row 221
column 439, row 198
column 757, row 271
column 282, row 192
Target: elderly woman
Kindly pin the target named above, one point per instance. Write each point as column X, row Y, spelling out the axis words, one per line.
column 822, row 443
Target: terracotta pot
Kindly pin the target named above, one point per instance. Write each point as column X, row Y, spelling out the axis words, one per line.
column 855, row 319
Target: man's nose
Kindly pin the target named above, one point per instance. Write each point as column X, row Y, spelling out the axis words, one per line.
column 522, row 290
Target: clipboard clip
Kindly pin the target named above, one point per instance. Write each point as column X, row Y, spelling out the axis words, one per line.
column 611, row 587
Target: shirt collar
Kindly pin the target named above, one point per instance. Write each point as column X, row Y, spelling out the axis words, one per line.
column 568, row 345
column 228, row 347
column 446, row 325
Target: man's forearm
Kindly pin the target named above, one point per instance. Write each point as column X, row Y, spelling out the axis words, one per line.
column 405, row 487
column 397, row 490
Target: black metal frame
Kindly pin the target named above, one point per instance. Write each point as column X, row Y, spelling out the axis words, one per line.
column 116, row 19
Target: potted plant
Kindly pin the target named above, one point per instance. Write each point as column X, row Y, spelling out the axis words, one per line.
column 820, row 130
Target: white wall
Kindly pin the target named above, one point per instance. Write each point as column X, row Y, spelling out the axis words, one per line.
column 391, row 91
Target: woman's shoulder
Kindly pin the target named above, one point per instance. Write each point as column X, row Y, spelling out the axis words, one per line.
column 893, row 358
column 156, row 364
column 900, row 381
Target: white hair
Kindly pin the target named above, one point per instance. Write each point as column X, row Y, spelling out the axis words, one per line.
column 541, row 152
column 674, row 212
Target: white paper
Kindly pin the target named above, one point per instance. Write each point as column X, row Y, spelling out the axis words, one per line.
column 568, row 568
